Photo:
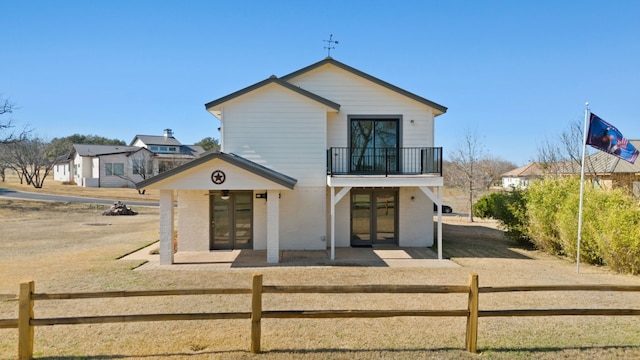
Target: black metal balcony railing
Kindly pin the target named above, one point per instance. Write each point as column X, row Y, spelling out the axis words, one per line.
column 384, row 161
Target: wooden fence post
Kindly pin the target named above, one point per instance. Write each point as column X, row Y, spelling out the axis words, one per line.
column 472, row 318
column 256, row 312
column 25, row 314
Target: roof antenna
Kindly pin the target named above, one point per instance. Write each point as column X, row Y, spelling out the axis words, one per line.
column 330, row 41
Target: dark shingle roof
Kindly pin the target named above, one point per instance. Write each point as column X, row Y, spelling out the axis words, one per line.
column 97, row 150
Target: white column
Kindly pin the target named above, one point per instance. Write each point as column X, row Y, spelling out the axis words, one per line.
column 273, row 226
column 335, row 199
column 440, row 223
column 166, row 227
column 333, row 223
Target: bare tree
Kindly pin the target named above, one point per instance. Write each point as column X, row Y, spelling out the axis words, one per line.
column 467, row 157
column 142, row 167
column 492, row 169
column 31, row 160
column 5, row 162
column 563, row 153
column 7, row 135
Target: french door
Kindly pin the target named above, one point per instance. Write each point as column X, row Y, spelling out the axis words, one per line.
column 374, row 217
column 374, row 145
column 231, row 216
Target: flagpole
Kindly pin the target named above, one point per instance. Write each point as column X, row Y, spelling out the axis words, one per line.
column 584, row 150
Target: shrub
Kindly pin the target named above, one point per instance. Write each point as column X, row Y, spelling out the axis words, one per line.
column 544, row 198
column 546, row 214
column 509, row 208
column 619, row 234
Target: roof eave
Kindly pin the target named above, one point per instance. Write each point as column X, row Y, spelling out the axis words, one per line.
column 245, row 164
column 214, row 106
column 440, row 109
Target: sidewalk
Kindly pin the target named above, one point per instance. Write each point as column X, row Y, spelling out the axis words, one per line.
column 388, row 256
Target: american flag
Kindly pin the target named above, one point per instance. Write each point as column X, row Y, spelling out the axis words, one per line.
column 622, row 143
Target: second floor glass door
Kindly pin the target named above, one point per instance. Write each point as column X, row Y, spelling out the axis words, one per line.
column 374, row 145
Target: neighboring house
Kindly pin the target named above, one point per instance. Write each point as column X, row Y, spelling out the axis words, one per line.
column 521, row 177
column 123, row 166
column 608, row 171
column 602, row 169
column 62, row 169
column 106, row 165
column 169, row 152
column 324, row 157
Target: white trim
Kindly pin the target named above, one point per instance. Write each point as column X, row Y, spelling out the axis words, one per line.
column 384, row 181
column 166, row 227
column 273, row 226
column 437, row 199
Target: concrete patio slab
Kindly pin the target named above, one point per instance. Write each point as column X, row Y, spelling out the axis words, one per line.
column 230, row 259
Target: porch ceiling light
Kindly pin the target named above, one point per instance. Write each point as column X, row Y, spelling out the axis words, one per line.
column 225, row 195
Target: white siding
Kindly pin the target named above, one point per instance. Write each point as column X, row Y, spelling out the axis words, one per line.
column 113, row 181
column 415, row 218
column 139, row 143
column 302, row 219
column 281, row 130
column 358, row 96
column 193, row 220
column 61, row 172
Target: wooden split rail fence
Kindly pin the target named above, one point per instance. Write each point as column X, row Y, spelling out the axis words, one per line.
column 26, row 320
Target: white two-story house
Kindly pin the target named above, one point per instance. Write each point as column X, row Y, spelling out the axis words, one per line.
column 324, row 157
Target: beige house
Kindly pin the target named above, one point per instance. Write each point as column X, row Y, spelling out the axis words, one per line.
column 604, row 170
column 520, row 178
column 324, row 157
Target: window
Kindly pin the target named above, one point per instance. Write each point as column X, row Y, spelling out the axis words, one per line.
column 374, row 144
column 114, row 169
column 154, row 148
column 172, row 149
column 163, row 148
column 142, row 167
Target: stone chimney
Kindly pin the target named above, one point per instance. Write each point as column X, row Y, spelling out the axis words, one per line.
column 168, row 133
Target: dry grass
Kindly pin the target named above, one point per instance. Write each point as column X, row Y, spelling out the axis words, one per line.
column 57, row 188
column 48, row 243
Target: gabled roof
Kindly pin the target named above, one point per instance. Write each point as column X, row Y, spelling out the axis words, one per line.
column 142, row 149
column 195, row 150
column 98, row 150
column 271, row 80
column 232, row 159
column 330, row 60
column 156, row 140
column 531, row 170
column 602, row 162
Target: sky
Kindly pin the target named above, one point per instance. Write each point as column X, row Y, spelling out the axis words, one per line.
column 515, row 73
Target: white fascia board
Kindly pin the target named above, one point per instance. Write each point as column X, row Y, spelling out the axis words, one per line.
column 383, row 181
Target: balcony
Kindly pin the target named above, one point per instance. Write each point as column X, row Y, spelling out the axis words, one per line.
column 384, row 161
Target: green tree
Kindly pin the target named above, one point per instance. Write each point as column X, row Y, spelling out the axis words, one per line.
column 208, row 143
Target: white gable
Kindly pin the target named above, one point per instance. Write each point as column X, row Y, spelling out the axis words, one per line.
column 199, row 178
